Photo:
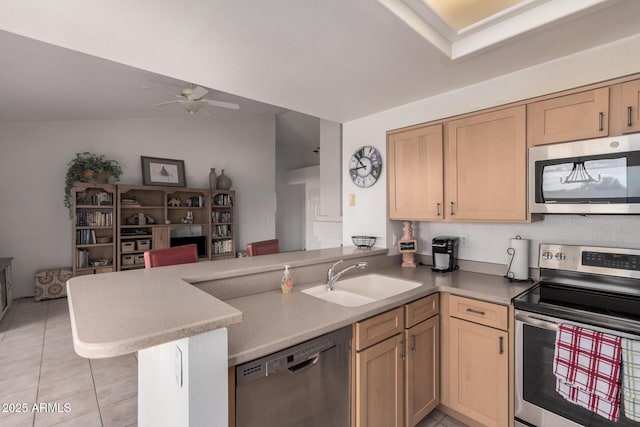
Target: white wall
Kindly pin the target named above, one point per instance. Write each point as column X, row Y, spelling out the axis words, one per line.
column 34, row 224
column 489, row 241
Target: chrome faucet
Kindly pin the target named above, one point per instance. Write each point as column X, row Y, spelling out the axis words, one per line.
column 332, row 276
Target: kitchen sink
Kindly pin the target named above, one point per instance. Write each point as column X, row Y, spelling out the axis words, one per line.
column 361, row 290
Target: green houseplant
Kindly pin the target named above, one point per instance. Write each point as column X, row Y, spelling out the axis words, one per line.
column 89, row 167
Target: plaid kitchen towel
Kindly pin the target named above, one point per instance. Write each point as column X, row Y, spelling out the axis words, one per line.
column 589, row 362
column 631, row 378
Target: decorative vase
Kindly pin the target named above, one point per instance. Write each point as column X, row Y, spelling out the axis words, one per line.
column 88, row 175
column 213, row 179
column 224, row 182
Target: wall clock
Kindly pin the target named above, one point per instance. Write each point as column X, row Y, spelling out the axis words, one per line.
column 365, row 166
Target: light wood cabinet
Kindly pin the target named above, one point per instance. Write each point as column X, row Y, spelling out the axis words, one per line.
column 422, row 370
column 396, row 374
column 415, row 174
column 379, row 384
column 631, row 106
column 485, row 167
column 475, row 360
column 571, row 117
column 93, row 228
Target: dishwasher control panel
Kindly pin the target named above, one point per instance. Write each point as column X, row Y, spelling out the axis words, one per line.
column 273, row 363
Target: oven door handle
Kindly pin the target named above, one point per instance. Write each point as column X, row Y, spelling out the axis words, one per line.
column 537, row 322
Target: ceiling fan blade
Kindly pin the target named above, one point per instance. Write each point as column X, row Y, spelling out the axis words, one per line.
column 167, row 103
column 198, row 92
column 222, row 104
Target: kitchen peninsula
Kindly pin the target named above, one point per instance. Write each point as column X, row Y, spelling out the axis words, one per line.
column 144, row 310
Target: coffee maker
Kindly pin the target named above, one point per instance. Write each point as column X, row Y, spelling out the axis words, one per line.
column 445, row 253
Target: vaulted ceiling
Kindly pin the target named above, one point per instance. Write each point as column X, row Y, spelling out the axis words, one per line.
column 334, row 59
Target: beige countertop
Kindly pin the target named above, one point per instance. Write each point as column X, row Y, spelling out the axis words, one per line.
column 118, row 313
column 273, row 321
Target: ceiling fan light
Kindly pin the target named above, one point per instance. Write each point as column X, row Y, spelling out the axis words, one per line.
column 192, row 106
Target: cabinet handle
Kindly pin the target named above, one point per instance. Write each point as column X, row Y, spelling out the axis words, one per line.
column 451, row 203
column 438, row 204
column 402, row 355
column 471, row 310
column 413, row 343
column 600, row 121
column 629, row 116
column 501, row 345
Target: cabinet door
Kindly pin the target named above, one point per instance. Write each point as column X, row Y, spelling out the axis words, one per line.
column 422, row 373
column 479, row 374
column 379, row 384
column 631, row 105
column 568, row 118
column 485, row 165
column 160, row 237
column 415, row 174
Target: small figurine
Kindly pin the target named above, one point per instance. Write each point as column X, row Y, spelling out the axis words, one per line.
column 174, row 203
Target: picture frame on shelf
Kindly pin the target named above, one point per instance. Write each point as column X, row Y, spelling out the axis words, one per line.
column 163, row 172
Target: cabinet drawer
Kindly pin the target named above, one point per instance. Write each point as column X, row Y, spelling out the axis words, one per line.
column 485, row 313
column 420, row 310
column 378, row 328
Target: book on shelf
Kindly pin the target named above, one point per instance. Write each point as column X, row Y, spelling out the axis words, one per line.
column 222, row 200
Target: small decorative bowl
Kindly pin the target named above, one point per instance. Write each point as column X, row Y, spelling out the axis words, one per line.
column 363, row 242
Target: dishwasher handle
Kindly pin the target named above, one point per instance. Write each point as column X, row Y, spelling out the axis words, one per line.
column 305, row 364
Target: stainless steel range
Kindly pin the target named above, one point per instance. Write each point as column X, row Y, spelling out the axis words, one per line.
column 597, row 288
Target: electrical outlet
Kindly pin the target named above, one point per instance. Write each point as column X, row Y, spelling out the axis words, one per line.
column 464, row 239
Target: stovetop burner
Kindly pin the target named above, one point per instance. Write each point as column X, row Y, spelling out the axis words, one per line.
column 593, row 285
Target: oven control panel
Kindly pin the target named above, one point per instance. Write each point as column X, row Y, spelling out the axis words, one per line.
column 621, row 262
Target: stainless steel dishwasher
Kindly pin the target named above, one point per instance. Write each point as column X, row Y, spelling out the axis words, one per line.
column 305, row 385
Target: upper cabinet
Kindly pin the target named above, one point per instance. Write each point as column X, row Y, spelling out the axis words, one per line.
column 572, row 117
column 415, row 159
column 470, row 169
column 485, row 167
column 631, row 106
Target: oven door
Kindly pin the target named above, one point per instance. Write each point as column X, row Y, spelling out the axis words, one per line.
column 536, row 402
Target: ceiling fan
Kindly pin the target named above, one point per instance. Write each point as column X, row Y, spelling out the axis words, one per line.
column 192, row 99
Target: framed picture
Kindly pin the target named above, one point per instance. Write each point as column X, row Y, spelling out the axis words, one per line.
column 166, row 172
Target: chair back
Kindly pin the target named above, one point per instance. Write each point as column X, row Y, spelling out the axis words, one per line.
column 171, row 256
column 263, row 247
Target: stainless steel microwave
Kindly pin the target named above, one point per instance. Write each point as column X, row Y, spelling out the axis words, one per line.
column 597, row 176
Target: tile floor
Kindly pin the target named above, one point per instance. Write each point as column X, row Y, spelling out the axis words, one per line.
column 39, row 366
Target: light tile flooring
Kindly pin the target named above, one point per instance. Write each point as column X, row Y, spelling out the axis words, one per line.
column 39, row 366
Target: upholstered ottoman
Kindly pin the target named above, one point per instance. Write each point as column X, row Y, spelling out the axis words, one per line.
column 52, row 283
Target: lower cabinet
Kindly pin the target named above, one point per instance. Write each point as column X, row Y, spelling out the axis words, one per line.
column 396, row 370
column 422, row 370
column 379, row 384
column 478, row 361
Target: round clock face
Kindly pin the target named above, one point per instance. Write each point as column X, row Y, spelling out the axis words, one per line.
column 365, row 166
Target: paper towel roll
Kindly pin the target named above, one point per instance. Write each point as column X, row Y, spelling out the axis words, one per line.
column 520, row 264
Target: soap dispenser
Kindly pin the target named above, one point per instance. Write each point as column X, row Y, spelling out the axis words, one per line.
column 287, row 283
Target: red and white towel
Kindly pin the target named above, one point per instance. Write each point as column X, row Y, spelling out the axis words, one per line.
column 587, row 367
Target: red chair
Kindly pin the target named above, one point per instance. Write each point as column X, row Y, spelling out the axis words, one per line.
column 263, row 247
column 171, row 256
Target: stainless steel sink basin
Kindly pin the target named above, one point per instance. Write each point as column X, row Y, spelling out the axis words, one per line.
column 361, row 290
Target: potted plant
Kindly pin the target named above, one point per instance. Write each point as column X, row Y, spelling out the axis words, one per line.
column 89, row 167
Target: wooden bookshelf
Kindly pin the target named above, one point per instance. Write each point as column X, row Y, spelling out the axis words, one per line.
column 223, row 226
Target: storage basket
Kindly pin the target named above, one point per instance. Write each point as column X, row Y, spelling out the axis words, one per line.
column 143, row 245
column 128, row 259
column 139, row 259
column 127, row 246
